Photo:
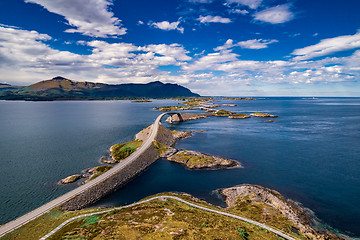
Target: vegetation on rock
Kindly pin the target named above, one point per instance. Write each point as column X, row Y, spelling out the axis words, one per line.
column 157, row 219
column 123, row 150
column 97, row 171
column 71, row 179
column 161, row 148
column 197, row 160
column 239, row 116
column 263, row 115
column 223, row 113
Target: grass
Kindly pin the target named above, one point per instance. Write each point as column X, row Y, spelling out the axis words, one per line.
column 123, row 150
column 42, row 225
column 257, row 114
column 239, row 115
column 223, row 113
column 157, row 219
column 190, row 159
column 100, row 170
column 161, row 148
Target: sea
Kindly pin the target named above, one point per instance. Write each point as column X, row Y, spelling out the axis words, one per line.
column 310, row 153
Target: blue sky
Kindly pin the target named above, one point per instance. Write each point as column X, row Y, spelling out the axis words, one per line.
column 214, row 47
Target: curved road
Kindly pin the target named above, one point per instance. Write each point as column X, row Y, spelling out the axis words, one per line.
column 277, row 232
column 6, row 228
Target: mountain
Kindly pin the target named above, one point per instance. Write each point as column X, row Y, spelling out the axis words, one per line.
column 60, row 88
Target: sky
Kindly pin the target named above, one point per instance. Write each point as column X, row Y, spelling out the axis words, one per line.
column 213, row 47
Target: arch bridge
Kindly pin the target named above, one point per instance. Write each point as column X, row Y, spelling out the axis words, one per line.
column 170, row 114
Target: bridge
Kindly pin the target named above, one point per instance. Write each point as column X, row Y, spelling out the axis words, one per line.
column 8, row 227
column 173, row 113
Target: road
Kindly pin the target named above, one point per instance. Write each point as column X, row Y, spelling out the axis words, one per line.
column 8, row 227
column 277, row 232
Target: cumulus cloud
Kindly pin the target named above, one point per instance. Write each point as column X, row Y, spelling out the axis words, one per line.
column 26, row 56
column 328, row 46
column 256, row 43
column 167, row 26
column 253, row 4
column 108, row 62
column 88, row 17
column 249, row 44
column 275, row 15
column 238, row 11
column 213, row 19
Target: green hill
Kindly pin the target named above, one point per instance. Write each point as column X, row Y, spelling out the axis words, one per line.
column 60, row 88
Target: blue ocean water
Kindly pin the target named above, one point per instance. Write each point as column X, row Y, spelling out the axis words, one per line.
column 311, row 153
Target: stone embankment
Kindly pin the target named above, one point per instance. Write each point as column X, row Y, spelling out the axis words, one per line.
column 109, row 185
column 253, row 194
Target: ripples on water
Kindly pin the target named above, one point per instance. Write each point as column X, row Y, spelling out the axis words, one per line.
column 310, row 153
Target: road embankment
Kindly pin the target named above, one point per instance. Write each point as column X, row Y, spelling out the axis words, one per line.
column 121, row 177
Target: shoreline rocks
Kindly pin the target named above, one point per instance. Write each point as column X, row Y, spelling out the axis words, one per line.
column 258, row 196
column 178, row 135
column 71, row 179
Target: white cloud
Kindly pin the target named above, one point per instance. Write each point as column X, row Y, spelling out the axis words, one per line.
column 253, row 4
column 328, row 46
column 140, row 22
column 256, row 43
column 213, row 19
column 88, row 17
column 26, row 57
column 167, row 26
column 249, row 44
column 275, row 15
column 238, row 11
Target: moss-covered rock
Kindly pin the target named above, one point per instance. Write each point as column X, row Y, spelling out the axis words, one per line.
column 97, row 171
column 121, row 151
column 223, row 113
column 257, row 114
column 239, row 116
column 71, row 179
column 197, row 160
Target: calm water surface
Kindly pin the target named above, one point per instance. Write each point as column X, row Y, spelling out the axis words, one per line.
column 311, row 153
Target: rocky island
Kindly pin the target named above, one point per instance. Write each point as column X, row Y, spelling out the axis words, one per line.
column 239, row 116
column 197, row 160
column 264, row 115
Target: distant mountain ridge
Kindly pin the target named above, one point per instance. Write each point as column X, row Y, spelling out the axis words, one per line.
column 60, row 88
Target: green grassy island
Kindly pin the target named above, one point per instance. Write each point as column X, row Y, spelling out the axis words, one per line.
column 223, row 113
column 257, row 114
column 197, row 160
column 239, row 116
column 121, row 151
